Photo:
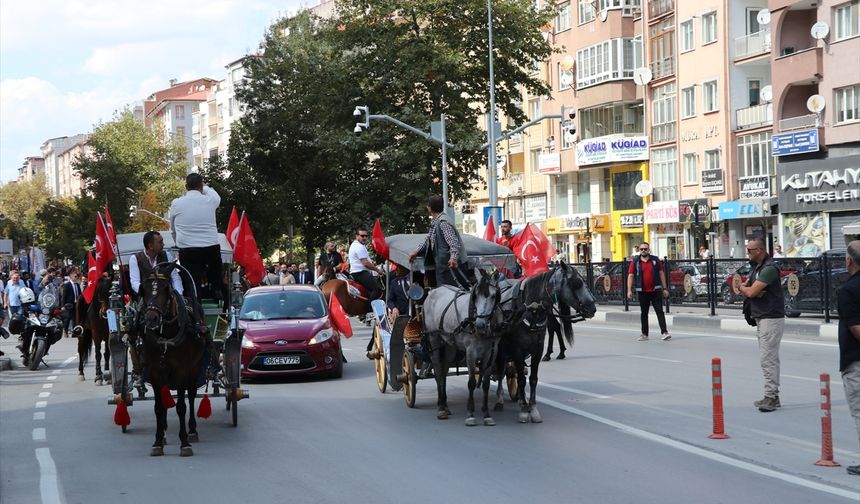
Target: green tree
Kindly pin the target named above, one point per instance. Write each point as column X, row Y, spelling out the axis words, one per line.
column 66, row 227
column 21, row 203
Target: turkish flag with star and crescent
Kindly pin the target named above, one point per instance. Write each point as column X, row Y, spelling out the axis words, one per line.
column 93, row 275
column 534, row 250
column 233, row 228
column 104, row 248
column 111, row 232
column 247, row 255
column 337, row 317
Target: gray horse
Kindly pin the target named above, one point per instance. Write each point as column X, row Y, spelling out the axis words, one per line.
column 528, row 305
column 461, row 323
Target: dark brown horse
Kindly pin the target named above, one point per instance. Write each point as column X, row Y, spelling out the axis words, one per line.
column 173, row 354
column 353, row 306
column 92, row 317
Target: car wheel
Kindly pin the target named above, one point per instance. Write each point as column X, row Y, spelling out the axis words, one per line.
column 727, row 295
column 338, row 369
column 791, row 307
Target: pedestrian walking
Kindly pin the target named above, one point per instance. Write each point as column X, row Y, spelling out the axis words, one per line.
column 646, row 277
column 849, row 337
column 767, row 308
column 11, row 298
column 271, row 277
column 777, row 252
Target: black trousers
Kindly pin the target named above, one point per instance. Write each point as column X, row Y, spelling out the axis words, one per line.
column 452, row 276
column 654, row 299
column 365, row 278
column 204, row 262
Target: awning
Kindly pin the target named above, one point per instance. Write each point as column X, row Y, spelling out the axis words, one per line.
column 852, row 229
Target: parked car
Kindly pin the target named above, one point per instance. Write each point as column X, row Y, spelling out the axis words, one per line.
column 611, row 273
column 287, row 332
column 808, row 293
column 727, row 294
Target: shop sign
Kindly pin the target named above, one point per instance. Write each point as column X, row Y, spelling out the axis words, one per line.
column 755, row 187
column 741, row 209
column 601, row 223
column 796, row 142
column 549, row 163
column 658, row 212
column 636, row 220
column 611, row 149
column 685, row 210
column 712, row 181
column 535, row 208
column 575, row 222
column 805, row 189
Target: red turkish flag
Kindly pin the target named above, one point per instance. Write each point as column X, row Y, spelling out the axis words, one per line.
column 337, row 317
column 104, row 249
column 111, row 231
column 233, row 228
column 534, row 251
column 378, row 241
column 247, row 255
column 490, row 231
column 93, row 274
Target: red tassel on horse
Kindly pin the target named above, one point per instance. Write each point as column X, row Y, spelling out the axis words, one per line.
column 167, row 398
column 205, row 408
column 120, row 416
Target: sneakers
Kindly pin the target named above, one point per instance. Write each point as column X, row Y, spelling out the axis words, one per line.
column 855, row 470
column 643, row 337
column 767, row 404
column 666, row 337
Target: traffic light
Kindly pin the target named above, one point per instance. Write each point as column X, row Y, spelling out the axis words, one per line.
column 568, row 123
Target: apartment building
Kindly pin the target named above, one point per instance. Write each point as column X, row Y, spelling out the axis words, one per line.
column 52, row 150
column 32, row 166
column 70, row 183
column 816, row 127
column 212, row 119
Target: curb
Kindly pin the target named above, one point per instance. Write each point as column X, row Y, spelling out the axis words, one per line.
column 706, row 322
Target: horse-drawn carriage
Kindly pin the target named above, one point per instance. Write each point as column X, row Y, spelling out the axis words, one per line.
column 219, row 355
column 404, row 348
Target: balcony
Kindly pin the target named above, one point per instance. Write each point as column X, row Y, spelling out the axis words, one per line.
column 754, row 117
column 657, row 8
column 663, row 68
column 663, row 133
column 515, row 144
column 752, row 44
column 807, row 121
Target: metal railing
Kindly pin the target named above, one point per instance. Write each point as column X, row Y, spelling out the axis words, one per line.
column 662, row 133
column 663, row 68
column 799, row 122
column 752, row 44
column 657, row 8
column 754, row 116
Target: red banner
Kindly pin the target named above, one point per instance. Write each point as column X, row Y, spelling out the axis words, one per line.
column 490, row 231
column 93, row 274
column 534, row 250
column 104, row 250
column 338, row 318
column 247, row 255
column 378, row 241
column 233, row 229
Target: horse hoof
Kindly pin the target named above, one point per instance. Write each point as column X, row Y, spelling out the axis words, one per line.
column 442, row 415
column 535, row 417
column 99, row 382
column 499, row 406
column 489, row 422
column 560, row 356
column 186, row 451
column 546, row 358
column 523, row 417
column 193, row 437
column 81, row 378
column 471, row 422
column 156, row 451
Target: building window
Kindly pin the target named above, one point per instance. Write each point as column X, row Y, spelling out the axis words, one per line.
column 663, row 104
column 565, row 78
column 586, row 11
column 180, row 131
column 847, row 100
column 709, row 28
column 690, row 173
column 754, row 155
column 754, row 88
column 534, row 108
column 610, row 60
column 180, row 111
column 662, row 40
column 688, row 40
column 710, row 97
column 562, row 198
column 611, row 119
column 664, row 174
column 846, row 20
column 712, row 159
column 583, row 190
column 624, row 190
column 562, row 19
column 688, row 102
column 220, row 111
column 230, row 107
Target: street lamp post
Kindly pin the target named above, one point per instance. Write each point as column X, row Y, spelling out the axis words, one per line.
column 492, row 184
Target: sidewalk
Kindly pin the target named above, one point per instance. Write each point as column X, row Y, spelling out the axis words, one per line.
column 687, row 317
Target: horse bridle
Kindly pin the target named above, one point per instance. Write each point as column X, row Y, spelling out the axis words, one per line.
column 577, row 317
column 473, row 315
column 151, row 304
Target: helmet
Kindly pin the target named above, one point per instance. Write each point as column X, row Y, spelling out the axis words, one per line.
column 16, row 324
column 26, row 295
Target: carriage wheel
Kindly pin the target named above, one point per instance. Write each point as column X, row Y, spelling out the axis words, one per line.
column 379, row 361
column 411, row 378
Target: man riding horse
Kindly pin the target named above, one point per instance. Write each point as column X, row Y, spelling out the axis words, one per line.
column 360, row 265
column 443, row 248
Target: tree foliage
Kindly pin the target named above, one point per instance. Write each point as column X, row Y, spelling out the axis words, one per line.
column 21, row 202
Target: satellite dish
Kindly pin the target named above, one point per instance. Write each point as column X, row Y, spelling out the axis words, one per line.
column 815, row 103
column 819, row 30
column 604, row 14
column 567, row 62
column 766, row 93
column 763, row 17
column 642, row 76
column 644, row 188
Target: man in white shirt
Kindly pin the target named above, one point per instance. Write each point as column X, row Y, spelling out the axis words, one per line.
column 195, row 232
column 360, row 265
column 142, row 263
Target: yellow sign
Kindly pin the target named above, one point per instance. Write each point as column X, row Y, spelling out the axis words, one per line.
column 601, row 223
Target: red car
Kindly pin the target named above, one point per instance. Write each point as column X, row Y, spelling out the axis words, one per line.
column 287, row 332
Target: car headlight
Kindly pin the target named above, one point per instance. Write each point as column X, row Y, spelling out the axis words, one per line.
column 43, row 319
column 321, row 336
column 246, row 343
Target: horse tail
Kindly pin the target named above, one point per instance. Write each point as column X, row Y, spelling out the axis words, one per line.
column 566, row 324
column 85, row 345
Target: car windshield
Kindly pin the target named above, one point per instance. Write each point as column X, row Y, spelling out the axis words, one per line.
column 283, row 305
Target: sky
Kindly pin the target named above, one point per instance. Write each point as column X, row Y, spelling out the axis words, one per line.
column 67, row 65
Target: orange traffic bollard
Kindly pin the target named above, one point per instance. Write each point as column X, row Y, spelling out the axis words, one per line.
column 717, row 393
column 826, row 429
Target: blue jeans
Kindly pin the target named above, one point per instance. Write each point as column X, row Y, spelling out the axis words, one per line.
column 14, row 310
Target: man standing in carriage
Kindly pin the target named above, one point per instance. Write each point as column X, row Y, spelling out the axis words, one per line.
column 443, row 248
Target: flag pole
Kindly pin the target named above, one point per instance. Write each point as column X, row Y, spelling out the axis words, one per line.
column 115, row 247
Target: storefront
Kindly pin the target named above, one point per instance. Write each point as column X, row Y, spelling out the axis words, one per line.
column 745, row 219
column 817, row 200
column 699, row 230
column 666, row 234
column 628, row 210
column 571, row 236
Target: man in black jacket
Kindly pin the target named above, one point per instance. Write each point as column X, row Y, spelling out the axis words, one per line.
column 71, row 292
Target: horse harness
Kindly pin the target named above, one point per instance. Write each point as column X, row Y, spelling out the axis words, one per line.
column 467, row 324
column 179, row 316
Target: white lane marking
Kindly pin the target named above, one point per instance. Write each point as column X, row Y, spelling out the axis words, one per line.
column 39, row 415
column 52, row 378
column 804, row 378
column 48, row 485
column 44, row 394
column 39, row 434
column 695, row 450
column 723, row 336
column 48, row 385
column 57, row 371
column 573, row 390
column 70, row 359
column 41, row 404
column 651, row 358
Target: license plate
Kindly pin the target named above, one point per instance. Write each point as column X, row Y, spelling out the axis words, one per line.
column 281, row 360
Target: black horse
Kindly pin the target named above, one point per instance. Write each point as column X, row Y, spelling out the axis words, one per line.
column 92, row 317
column 529, row 305
column 173, row 353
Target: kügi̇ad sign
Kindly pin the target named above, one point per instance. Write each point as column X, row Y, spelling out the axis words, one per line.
column 611, row 150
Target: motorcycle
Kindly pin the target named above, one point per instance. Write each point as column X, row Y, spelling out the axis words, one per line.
column 39, row 326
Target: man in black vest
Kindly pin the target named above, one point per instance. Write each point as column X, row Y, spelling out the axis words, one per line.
column 849, row 337
column 142, row 263
column 767, row 306
column 443, row 248
column 647, row 278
